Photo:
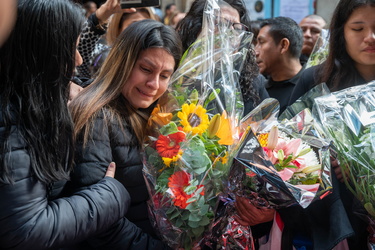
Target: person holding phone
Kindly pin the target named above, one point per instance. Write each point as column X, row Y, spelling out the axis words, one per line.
column 101, row 30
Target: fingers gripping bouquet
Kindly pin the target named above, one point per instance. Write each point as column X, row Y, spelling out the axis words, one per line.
column 349, row 121
column 195, row 127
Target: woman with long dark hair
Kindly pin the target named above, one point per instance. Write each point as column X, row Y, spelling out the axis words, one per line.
column 111, row 114
column 351, row 57
column 36, row 135
column 350, row 62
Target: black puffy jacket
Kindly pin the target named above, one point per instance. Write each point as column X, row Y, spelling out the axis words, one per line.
column 30, row 218
column 107, row 142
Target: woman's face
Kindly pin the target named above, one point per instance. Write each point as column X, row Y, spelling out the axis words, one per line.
column 231, row 14
column 149, row 79
column 8, row 13
column 359, row 33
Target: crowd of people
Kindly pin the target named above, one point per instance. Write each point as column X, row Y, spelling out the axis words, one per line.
column 79, row 86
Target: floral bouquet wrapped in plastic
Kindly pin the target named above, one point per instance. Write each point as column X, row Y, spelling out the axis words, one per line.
column 195, row 127
column 282, row 163
column 277, row 164
column 349, row 121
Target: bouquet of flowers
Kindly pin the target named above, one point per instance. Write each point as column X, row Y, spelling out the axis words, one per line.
column 349, row 121
column 195, row 127
column 290, row 155
column 277, row 164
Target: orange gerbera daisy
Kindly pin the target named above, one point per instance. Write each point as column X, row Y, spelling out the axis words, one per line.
column 169, row 146
column 177, row 183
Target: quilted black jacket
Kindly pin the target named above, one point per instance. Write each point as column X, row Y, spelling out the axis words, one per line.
column 109, row 143
column 30, row 218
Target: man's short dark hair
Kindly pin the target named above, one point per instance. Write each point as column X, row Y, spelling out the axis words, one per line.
column 285, row 27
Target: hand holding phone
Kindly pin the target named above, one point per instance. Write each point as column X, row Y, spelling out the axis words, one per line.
column 139, row 3
column 109, row 8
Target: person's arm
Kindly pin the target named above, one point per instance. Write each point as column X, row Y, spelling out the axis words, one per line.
column 30, row 221
column 90, row 166
column 94, row 28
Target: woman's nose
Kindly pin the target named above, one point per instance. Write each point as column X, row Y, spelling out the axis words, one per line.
column 153, row 82
column 370, row 37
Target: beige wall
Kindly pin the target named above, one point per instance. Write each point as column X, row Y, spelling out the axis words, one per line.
column 182, row 5
column 325, row 8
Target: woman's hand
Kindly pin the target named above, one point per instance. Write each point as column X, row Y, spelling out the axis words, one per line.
column 111, row 7
column 337, row 169
column 250, row 215
column 111, row 170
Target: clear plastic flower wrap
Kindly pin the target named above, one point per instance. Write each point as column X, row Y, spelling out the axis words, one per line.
column 194, row 127
column 320, row 51
column 348, row 119
column 277, row 165
column 284, row 163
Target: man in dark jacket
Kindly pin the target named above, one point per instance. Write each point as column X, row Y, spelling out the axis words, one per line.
column 278, row 50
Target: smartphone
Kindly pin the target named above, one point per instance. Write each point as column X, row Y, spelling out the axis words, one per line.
column 139, row 3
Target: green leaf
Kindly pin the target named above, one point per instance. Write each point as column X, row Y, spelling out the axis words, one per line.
column 190, row 189
column 200, row 190
column 170, row 128
column 204, row 209
column 195, row 217
column 204, row 221
column 174, row 215
column 163, row 178
column 193, row 224
column 195, row 157
column 198, row 231
column 179, row 222
column 192, row 199
column 170, row 210
column 185, row 215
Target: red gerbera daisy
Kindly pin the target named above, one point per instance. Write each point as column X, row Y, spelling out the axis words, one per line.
column 177, row 182
column 168, row 146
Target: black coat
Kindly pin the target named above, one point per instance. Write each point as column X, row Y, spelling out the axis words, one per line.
column 331, row 219
column 31, row 218
column 108, row 142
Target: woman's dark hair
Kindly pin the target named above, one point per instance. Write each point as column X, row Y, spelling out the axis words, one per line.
column 105, row 91
column 338, row 71
column 36, row 64
column 190, row 27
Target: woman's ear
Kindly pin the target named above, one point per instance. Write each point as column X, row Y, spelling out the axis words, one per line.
column 284, row 45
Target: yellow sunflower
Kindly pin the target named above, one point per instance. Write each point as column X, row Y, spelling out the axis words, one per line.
column 193, row 118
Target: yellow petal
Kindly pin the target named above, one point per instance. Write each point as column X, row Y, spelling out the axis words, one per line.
column 214, row 126
column 225, row 132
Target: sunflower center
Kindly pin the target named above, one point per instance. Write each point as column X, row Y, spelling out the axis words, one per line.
column 194, row 120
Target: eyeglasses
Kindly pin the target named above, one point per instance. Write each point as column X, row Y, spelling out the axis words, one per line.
column 236, row 26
